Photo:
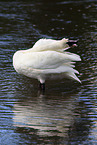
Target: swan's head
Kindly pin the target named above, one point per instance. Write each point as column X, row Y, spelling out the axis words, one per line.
column 72, row 43
column 69, row 43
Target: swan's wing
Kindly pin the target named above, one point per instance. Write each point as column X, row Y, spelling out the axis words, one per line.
column 49, row 44
column 39, row 64
column 66, row 69
column 48, row 59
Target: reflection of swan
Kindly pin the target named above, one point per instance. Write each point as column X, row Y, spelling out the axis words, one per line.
column 49, row 117
column 46, row 59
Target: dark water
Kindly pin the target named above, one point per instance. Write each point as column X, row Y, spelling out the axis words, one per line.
column 67, row 113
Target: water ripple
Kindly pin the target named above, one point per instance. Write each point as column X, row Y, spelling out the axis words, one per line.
column 67, row 112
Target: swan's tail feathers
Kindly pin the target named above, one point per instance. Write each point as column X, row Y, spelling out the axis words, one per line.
column 76, row 57
column 72, row 75
column 72, row 56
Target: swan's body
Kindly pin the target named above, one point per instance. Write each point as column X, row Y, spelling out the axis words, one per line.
column 46, row 59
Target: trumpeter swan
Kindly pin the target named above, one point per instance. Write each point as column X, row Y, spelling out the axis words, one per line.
column 47, row 59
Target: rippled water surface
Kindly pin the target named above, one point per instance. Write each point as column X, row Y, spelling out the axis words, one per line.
column 67, row 112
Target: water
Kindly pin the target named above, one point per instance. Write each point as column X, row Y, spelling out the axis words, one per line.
column 67, row 112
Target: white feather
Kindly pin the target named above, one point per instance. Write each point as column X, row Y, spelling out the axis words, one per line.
column 50, row 44
column 46, row 58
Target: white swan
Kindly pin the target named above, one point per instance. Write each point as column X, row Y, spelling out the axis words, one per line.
column 47, row 59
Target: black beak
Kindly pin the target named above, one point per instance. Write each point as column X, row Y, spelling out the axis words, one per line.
column 72, row 42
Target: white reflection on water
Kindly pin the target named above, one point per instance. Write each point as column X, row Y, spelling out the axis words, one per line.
column 50, row 117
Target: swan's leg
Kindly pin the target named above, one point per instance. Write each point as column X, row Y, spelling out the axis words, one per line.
column 42, row 82
column 42, row 86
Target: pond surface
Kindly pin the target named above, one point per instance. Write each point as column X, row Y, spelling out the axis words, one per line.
column 67, row 113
